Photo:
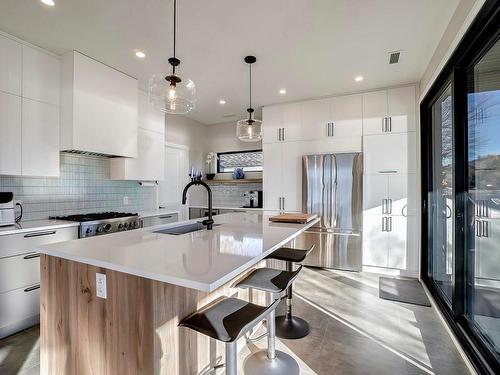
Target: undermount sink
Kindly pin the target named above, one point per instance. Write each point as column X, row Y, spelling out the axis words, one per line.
column 183, row 229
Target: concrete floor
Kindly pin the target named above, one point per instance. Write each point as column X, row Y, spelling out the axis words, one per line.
column 353, row 332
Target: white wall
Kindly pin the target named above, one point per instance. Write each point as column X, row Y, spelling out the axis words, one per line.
column 460, row 21
column 222, row 137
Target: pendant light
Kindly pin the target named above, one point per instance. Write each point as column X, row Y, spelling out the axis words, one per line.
column 171, row 94
column 249, row 129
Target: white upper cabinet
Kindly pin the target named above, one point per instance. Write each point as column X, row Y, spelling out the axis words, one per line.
column 150, row 162
column 271, row 123
column 10, row 134
column 98, row 108
column 316, row 115
column 41, row 74
column 374, row 112
column 389, row 111
column 291, row 122
column 401, row 109
column 347, row 116
column 281, row 123
column 11, row 66
column 40, row 139
column 149, row 118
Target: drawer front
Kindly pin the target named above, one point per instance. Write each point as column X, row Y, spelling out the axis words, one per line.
column 18, row 305
column 19, row 271
column 164, row 219
column 15, row 244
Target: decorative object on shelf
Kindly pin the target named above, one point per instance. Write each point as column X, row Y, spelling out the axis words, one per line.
column 238, row 174
column 249, row 129
column 210, row 161
column 171, row 94
column 195, row 174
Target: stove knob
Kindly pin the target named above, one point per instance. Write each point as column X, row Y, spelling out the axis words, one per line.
column 88, row 231
column 99, row 229
column 125, row 225
column 120, row 226
column 107, row 227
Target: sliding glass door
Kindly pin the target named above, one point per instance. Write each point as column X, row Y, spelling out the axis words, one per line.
column 460, row 139
column 483, row 197
column 441, row 195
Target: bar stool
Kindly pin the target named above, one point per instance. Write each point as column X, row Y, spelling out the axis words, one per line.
column 226, row 320
column 289, row 326
column 270, row 361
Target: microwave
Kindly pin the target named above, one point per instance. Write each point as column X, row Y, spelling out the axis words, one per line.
column 7, row 215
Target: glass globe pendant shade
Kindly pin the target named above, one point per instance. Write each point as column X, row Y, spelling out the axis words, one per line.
column 175, row 98
column 249, row 130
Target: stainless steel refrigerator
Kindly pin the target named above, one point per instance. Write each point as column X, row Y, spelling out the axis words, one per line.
column 332, row 188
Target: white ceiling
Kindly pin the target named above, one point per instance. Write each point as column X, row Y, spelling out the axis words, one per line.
column 312, row 48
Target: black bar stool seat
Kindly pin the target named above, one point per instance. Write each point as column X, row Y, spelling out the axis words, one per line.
column 269, row 280
column 289, row 326
column 226, row 320
column 288, row 254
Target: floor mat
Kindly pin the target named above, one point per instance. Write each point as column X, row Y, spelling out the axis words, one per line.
column 403, row 290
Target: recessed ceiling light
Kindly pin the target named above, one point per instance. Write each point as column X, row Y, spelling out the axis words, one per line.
column 222, row 101
column 50, row 3
column 358, row 78
column 282, row 91
column 140, row 54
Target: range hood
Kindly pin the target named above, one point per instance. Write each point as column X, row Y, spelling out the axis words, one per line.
column 98, row 108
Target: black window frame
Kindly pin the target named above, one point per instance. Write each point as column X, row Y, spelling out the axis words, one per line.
column 482, row 34
column 236, row 152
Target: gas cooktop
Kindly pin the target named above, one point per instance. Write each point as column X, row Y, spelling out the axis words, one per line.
column 95, row 216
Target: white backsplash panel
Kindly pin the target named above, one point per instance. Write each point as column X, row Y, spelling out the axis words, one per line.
column 83, row 186
column 231, row 195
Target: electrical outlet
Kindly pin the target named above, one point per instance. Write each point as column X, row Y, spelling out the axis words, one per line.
column 100, row 282
column 125, row 200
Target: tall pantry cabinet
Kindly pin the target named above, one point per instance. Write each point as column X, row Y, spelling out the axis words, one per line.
column 382, row 125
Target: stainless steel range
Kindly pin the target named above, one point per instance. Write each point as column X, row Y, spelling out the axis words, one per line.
column 95, row 224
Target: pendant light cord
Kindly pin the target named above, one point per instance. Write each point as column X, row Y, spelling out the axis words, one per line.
column 175, row 22
column 250, row 85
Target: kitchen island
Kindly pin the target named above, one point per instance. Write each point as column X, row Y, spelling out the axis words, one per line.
column 153, row 280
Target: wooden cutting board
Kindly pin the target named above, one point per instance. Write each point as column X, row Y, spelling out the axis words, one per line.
column 293, row 218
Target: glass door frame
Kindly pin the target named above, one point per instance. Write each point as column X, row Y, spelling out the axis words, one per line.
column 483, row 32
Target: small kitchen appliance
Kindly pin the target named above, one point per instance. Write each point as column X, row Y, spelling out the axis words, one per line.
column 253, row 199
column 7, row 215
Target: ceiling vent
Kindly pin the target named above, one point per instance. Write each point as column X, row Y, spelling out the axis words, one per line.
column 394, row 57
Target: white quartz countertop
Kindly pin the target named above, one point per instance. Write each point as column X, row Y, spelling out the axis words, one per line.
column 202, row 260
column 230, row 208
column 33, row 225
column 158, row 212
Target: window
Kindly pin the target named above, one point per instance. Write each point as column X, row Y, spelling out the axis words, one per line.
column 249, row 161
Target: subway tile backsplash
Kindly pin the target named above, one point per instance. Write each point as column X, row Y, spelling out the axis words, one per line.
column 83, row 186
column 231, row 195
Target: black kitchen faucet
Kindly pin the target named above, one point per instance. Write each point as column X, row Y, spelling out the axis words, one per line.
column 208, row 222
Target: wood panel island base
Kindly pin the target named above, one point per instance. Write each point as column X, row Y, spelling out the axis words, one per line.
column 153, row 281
column 133, row 331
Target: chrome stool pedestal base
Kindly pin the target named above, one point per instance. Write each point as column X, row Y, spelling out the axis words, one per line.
column 259, row 363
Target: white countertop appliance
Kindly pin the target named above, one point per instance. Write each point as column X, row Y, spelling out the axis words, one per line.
column 7, row 215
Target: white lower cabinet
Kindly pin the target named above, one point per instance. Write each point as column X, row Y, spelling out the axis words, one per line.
column 40, row 139
column 397, row 242
column 375, row 241
column 20, row 276
column 159, row 220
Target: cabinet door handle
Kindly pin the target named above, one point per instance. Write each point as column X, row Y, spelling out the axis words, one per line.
column 31, row 256
column 389, row 226
column 278, row 134
column 32, row 288
column 384, row 224
column 39, row 234
column 389, row 206
column 165, row 217
column 383, row 206
column 283, row 133
column 389, row 124
column 478, row 228
column 384, row 124
column 484, row 229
